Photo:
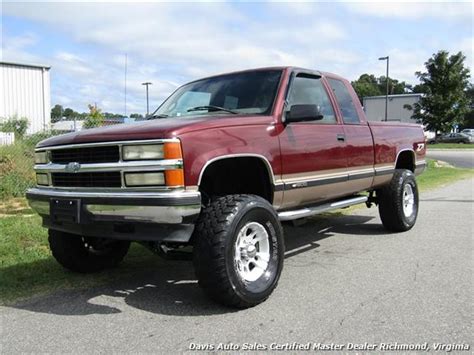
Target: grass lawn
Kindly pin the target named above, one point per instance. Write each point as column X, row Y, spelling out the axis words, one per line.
column 27, row 267
column 435, row 176
column 450, row 146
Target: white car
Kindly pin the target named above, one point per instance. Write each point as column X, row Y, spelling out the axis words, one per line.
column 469, row 131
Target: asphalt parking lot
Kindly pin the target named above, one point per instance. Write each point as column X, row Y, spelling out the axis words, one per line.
column 345, row 280
column 458, row 158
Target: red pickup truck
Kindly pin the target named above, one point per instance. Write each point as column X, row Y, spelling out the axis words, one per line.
column 218, row 166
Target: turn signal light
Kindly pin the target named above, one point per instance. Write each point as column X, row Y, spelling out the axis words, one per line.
column 174, row 178
column 172, row 150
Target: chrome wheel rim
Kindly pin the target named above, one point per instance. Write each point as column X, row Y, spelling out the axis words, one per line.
column 252, row 251
column 408, row 200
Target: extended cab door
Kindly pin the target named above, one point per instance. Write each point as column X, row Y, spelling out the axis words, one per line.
column 313, row 152
column 359, row 149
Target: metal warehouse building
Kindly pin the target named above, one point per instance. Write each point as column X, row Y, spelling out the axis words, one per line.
column 25, row 92
column 374, row 107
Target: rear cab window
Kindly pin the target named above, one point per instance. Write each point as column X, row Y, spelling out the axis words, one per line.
column 308, row 89
column 344, row 99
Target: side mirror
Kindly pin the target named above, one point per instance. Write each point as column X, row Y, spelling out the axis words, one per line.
column 303, row 113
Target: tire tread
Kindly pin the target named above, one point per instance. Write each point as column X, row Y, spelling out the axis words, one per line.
column 390, row 206
column 211, row 234
column 68, row 250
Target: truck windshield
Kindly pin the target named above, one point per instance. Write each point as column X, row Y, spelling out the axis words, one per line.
column 251, row 92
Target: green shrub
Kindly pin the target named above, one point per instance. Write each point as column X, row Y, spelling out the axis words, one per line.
column 95, row 118
column 32, row 140
column 15, row 124
column 16, row 165
column 14, row 184
column 16, row 169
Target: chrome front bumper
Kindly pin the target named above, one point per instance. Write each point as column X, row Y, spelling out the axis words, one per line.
column 150, row 207
column 140, row 215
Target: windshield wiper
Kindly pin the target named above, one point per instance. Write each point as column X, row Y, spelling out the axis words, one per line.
column 211, row 108
column 161, row 115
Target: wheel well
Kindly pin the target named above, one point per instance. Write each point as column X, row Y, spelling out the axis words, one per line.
column 406, row 160
column 240, row 175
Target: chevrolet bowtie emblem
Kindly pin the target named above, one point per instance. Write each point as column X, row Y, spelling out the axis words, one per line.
column 73, row 167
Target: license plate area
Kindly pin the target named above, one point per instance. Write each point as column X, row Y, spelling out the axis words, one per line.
column 65, row 210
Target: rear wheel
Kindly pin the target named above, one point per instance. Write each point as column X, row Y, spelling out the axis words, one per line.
column 398, row 202
column 86, row 254
column 238, row 250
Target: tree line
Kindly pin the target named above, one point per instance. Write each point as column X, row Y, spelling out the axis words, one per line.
column 447, row 93
column 58, row 113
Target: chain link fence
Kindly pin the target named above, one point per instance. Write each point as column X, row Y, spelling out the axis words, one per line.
column 17, row 152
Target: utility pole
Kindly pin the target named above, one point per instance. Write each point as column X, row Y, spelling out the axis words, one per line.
column 386, row 91
column 147, row 103
column 125, row 86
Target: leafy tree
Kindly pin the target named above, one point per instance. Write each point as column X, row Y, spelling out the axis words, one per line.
column 15, row 124
column 469, row 117
column 113, row 115
column 366, row 85
column 56, row 113
column 136, row 115
column 419, row 89
column 82, row 116
column 95, row 118
column 395, row 87
column 445, row 82
column 69, row 113
column 468, row 120
column 369, row 85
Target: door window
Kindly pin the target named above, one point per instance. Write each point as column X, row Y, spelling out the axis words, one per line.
column 308, row 90
column 344, row 98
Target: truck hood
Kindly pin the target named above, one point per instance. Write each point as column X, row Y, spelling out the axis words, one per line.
column 152, row 129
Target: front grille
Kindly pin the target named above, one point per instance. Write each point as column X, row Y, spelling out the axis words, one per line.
column 99, row 179
column 90, row 155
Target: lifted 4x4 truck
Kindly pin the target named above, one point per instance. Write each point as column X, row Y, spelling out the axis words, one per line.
column 218, row 166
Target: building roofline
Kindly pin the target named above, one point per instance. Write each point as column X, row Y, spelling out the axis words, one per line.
column 25, row 65
column 391, row 96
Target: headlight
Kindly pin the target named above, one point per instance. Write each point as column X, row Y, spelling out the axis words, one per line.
column 144, row 179
column 142, row 152
column 42, row 179
column 41, row 157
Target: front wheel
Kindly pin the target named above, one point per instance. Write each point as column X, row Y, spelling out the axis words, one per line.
column 86, row 254
column 238, row 250
column 398, row 202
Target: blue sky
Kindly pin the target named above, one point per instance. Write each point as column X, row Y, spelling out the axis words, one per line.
column 172, row 43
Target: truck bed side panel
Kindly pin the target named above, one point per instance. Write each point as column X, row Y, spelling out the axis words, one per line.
column 390, row 140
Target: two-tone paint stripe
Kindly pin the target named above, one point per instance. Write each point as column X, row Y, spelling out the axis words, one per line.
column 324, row 179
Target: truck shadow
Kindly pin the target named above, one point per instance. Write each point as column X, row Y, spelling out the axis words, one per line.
column 172, row 289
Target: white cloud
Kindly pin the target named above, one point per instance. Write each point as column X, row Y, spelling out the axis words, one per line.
column 17, row 47
column 297, row 8
column 72, row 63
column 172, row 43
column 452, row 10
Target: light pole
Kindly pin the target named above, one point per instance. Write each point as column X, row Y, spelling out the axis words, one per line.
column 147, row 105
column 386, row 92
